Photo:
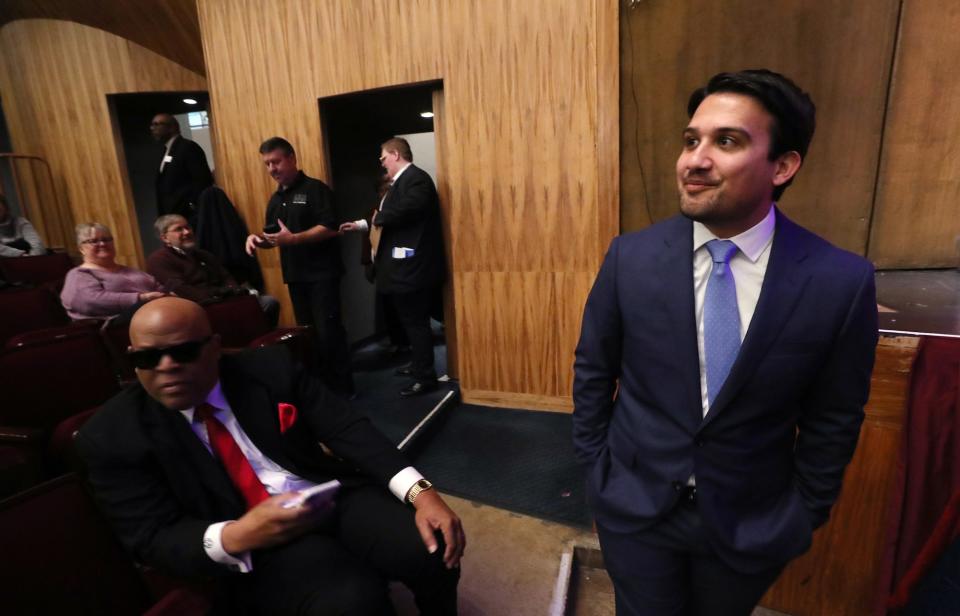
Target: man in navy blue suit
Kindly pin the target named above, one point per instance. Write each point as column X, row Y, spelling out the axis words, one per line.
column 723, row 365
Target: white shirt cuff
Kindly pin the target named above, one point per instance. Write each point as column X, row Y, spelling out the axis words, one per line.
column 362, row 223
column 403, row 481
column 214, row 549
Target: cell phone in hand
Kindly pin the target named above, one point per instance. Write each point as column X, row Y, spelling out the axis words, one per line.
column 272, row 228
column 314, row 497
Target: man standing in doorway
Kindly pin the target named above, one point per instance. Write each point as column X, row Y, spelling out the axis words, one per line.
column 408, row 256
column 723, row 366
column 183, row 171
column 302, row 221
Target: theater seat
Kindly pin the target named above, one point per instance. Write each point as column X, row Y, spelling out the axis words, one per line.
column 61, row 455
column 24, row 310
column 239, row 320
column 60, row 557
column 242, row 324
column 48, row 378
column 39, row 270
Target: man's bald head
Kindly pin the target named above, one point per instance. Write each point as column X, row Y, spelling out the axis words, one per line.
column 173, row 327
column 169, row 314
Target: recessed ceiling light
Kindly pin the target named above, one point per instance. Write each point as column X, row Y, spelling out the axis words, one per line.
column 426, row 114
column 190, row 101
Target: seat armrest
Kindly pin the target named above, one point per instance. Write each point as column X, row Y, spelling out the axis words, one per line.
column 17, row 435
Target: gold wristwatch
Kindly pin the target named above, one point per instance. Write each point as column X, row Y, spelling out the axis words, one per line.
column 421, row 486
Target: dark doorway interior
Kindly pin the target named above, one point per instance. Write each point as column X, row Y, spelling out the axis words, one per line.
column 132, row 113
column 355, row 125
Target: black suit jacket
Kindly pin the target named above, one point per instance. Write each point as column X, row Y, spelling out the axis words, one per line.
column 161, row 488
column 770, row 454
column 410, row 218
column 182, row 179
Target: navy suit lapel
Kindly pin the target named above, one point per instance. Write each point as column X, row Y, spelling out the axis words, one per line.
column 783, row 286
column 182, row 453
column 676, row 268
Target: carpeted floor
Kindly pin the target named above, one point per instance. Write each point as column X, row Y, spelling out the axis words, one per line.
column 513, row 459
column 378, row 390
column 508, row 458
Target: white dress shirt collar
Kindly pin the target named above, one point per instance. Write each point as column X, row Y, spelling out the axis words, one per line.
column 215, row 399
column 751, row 242
column 402, row 169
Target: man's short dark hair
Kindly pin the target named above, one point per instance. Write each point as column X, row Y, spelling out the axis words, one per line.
column 277, row 143
column 793, row 111
column 400, row 146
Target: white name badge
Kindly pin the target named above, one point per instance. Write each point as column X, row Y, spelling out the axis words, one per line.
column 399, row 252
column 168, row 159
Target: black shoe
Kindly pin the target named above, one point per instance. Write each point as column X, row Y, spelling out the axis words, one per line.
column 418, row 388
column 403, row 371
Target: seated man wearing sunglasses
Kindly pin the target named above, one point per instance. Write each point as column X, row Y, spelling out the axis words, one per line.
column 198, row 469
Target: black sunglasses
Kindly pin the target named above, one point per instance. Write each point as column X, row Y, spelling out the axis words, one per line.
column 183, row 353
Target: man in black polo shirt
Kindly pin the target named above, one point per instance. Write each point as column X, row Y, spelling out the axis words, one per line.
column 302, row 220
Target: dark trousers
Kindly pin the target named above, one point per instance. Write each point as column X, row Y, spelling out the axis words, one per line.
column 343, row 567
column 395, row 331
column 671, row 570
column 414, row 312
column 317, row 303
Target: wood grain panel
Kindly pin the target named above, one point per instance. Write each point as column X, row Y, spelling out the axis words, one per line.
column 523, row 104
column 167, row 27
column 918, row 190
column 838, row 51
column 55, row 77
column 838, row 576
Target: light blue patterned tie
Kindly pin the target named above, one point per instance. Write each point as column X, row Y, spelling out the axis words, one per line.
column 721, row 318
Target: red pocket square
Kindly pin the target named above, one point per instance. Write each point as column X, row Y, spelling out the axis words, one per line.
column 288, row 416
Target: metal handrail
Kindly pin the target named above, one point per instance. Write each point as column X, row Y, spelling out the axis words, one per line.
column 24, row 205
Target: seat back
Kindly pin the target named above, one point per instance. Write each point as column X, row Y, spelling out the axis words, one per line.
column 62, row 456
column 37, row 270
column 24, row 310
column 48, row 379
column 59, row 556
column 239, row 320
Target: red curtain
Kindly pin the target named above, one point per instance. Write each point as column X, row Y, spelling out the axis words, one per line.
column 928, row 472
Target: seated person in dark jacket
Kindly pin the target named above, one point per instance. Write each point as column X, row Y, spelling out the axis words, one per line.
column 198, row 468
column 193, row 273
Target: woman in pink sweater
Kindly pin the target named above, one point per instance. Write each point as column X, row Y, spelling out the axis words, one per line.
column 101, row 288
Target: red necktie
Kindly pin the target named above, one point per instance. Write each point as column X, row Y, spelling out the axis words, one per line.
column 237, row 465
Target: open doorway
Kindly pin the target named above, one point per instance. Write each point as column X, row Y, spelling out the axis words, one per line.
column 355, row 126
column 143, row 156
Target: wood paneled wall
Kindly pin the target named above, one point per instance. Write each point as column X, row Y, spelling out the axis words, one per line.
column 167, row 27
column 840, row 52
column 54, row 78
column 918, row 193
column 839, row 575
column 529, row 145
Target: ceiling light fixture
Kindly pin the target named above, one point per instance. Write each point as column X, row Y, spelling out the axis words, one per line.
column 190, row 101
column 426, row 114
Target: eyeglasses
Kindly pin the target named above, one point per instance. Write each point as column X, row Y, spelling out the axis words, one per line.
column 98, row 240
column 183, row 353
